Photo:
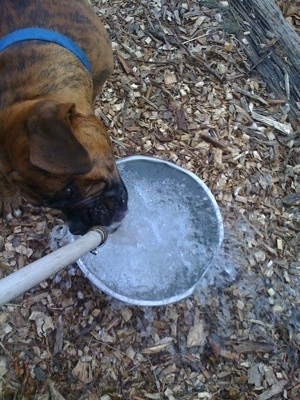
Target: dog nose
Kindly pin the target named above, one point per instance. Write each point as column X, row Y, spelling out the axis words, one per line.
column 118, row 190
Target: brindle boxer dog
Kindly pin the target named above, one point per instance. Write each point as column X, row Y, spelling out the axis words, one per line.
column 53, row 150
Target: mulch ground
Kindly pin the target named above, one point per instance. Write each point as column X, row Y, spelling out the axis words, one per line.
column 182, row 91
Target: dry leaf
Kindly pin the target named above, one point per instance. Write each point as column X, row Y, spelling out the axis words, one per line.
column 3, row 366
column 83, row 371
column 43, row 322
column 55, row 395
column 170, row 79
column 197, row 334
column 159, row 346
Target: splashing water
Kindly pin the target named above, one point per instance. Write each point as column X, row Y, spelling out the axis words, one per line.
column 165, row 243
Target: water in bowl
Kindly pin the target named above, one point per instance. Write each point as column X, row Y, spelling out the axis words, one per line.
column 164, row 244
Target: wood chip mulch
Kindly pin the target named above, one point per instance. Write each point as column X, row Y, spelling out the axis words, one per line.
column 181, row 91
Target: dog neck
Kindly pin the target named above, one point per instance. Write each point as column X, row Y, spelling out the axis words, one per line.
column 46, row 35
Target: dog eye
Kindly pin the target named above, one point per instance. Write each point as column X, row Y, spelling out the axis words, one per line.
column 68, row 193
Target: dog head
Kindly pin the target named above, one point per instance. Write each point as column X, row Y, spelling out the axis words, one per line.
column 65, row 161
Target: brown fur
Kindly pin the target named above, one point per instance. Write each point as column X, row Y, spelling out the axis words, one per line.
column 50, row 139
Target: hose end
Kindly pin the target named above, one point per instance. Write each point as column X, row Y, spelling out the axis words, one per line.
column 102, row 231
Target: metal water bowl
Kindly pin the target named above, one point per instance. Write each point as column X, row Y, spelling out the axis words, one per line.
column 168, row 239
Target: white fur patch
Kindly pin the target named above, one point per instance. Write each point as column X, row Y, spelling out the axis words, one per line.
column 9, row 217
column 17, row 213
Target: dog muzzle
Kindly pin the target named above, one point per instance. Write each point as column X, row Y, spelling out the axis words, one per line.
column 107, row 209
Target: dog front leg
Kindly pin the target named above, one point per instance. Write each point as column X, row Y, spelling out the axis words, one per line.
column 10, row 199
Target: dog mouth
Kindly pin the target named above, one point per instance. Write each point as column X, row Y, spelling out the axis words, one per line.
column 107, row 209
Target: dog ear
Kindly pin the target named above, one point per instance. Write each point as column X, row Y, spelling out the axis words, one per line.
column 53, row 146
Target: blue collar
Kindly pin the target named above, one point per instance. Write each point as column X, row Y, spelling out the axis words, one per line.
column 48, row 36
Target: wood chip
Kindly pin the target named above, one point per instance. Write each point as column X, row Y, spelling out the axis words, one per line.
column 159, row 346
column 276, row 389
column 197, row 334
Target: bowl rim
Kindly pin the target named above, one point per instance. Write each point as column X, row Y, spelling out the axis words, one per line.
column 100, row 285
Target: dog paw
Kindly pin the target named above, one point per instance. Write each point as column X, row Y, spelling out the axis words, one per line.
column 11, row 215
column 10, row 211
column 10, row 203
